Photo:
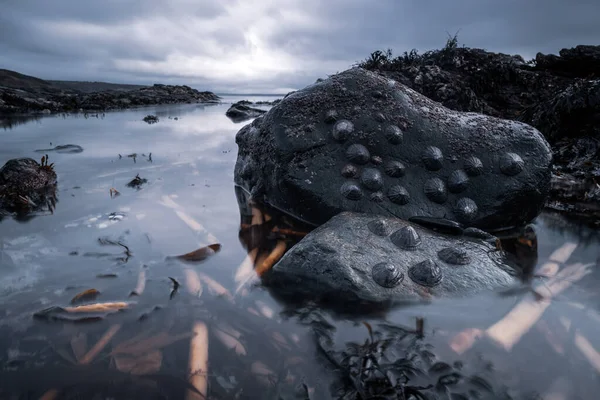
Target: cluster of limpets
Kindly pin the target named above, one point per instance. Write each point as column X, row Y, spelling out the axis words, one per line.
column 362, row 177
column 425, row 273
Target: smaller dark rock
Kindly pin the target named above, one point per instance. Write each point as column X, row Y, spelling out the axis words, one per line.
column 137, row 182
column 26, row 186
column 239, row 112
column 66, row 149
column 151, row 119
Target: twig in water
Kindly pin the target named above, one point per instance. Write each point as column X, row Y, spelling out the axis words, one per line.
column 101, row 344
column 584, row 346
column 198, row 362
column 525, row 314
column 275, row 256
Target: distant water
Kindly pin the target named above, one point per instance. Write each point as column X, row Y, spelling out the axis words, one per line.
column 189, row 201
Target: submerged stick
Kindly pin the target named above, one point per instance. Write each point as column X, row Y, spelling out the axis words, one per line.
column 141, row 283
column 101, row 344
column 257, row 217
column 558, row 390
column 584, row 346
column 192, row 282
column 167, row 201
column 520, row 319
column 98, row 307
column 198, row 362
column 245, row 272
column 524, row 315
column 558, row 256
column 289, row 232
column 275, row 256
column 215, row 286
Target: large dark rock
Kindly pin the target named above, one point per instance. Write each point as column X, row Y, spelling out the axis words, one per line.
column 361, row 142
column 556, row 94
column 26, row 186
column 370, row 259
column 241, row 111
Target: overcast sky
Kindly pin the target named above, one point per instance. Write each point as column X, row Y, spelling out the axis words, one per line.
column 267, row 46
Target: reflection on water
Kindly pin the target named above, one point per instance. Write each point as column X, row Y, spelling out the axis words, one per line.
column 155, row 313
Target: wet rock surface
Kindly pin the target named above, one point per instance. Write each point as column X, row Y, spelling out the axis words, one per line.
column 361, row 142
column 26, row 186
column 372, row 259
column 241, row 111
column 557, row 94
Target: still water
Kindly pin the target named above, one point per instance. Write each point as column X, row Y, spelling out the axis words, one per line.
column 258, row 347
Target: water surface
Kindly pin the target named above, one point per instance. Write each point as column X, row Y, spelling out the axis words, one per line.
column 189, row 201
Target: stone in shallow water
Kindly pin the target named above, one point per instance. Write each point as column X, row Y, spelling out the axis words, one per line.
column 489, row 174
column 369, row 258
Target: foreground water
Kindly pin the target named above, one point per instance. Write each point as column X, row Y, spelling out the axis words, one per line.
column 258, row 347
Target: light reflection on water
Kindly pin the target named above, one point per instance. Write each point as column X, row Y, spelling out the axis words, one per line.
column 45, row 261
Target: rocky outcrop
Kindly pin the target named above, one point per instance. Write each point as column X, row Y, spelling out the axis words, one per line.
column 368, row 259
column 557, row 94
column 241, row 111
column 30, row 95
column 358, row 141
column 27, row 186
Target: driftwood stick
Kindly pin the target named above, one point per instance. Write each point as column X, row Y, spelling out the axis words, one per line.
column 519, row 320
column 141, row 283
column 558, row 390
column 98, row 307
column 509, row 330
column 289, row 232
column 245, row 271
column 246, row 267
column 275, row 256
column 192, row 282
column 101, row 344
column 198, row 362
column 257, row 217
column 215, row 286
column 584, row 346
column 196, row 226
column 558, row 256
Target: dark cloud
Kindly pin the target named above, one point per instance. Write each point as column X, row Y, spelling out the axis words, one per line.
column 267, row 45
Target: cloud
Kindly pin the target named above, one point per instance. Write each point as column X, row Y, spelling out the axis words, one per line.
column 266, row 45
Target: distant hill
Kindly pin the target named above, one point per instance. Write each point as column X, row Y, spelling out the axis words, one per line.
column 15, row 80
column 93, row 87
column 23, row 94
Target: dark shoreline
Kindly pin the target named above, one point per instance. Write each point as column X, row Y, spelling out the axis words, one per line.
column 26, row 95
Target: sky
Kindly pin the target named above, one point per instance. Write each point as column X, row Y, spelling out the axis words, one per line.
column 267, row 46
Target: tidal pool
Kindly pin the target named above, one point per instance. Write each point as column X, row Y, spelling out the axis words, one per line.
column 168, row 313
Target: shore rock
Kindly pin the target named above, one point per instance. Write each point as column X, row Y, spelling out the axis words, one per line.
column 26, row 186
column 370, row 259
column 557, row 94
column 241, row 111
column 358, row 141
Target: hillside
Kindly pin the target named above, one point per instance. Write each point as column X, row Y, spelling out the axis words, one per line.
column 93, row 87
column 23, row 94
column 16, row 80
